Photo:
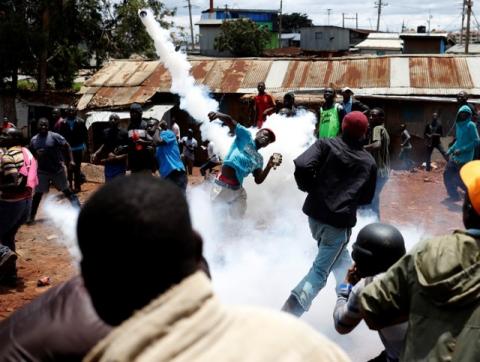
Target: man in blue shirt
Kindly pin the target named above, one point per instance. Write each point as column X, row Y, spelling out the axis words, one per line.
column 242, row 159
column 461, row 152
column 170, row 164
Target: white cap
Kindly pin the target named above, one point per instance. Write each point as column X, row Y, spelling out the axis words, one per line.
column 345, row 89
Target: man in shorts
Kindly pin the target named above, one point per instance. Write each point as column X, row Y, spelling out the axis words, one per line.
column 48, row 147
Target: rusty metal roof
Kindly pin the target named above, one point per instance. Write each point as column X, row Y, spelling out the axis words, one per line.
column 122, row 82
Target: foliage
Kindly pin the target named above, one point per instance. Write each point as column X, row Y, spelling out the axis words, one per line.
column 53, row 39
column 291, row 23
column 128, row 33
column 242, row 37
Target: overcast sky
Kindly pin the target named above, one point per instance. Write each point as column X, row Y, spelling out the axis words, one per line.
column 446, row 14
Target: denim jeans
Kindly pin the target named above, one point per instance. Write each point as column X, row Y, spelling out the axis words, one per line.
column 332, row 256
column 374, row 206
column 12, row 216
column 452, row 180
column 440, row 149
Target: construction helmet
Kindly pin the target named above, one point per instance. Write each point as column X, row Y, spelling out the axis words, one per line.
column 377, row 248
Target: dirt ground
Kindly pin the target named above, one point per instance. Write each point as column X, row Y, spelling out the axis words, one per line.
column 408, row 198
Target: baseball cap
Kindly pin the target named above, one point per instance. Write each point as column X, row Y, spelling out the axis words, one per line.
column 470, row 174
column 355, row 124
column 346, row 89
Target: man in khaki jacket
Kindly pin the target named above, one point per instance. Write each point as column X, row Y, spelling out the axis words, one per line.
column 436, row 288
column 140, row 266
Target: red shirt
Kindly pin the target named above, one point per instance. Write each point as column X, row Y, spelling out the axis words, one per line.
column 262, row 102
column 6, row 125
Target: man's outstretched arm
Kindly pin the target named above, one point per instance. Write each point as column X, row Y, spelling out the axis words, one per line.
column 225, row 118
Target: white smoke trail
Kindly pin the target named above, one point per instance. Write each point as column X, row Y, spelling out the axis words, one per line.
column 64, row 217
column 194, row 98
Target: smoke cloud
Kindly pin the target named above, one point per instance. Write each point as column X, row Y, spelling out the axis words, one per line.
column 260, row 258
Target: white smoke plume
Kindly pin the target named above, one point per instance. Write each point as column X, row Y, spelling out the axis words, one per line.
column 194, row 98
column 259, row 259
column 64, row 217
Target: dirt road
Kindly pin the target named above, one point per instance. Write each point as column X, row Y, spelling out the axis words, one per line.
column 408, row 198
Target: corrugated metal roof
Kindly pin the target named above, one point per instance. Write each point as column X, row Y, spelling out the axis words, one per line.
column 123, row 82
column 381, row 44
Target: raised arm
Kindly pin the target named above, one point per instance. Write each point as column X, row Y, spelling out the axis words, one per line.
column 225, row 118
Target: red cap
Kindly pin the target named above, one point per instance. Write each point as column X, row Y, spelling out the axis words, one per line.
column 355, row 124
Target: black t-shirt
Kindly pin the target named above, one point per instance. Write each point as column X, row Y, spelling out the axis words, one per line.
column 49, row 151
column 114, row 139
column 431, row 129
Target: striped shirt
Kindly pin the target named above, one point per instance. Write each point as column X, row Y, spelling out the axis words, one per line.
column 347, row 316
column 10, row 163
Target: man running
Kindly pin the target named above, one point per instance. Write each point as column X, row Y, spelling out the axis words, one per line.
column 242, row 159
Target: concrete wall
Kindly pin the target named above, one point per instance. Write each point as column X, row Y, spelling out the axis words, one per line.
column 325, row 38
column 207, row 41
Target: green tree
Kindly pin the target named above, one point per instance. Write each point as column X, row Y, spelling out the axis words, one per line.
column 242, row 37
column 128, row 33
column 291, row 23
column 53, row 39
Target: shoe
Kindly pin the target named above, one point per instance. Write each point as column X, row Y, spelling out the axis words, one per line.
column 293, row 306
column 453, row 198
column 30, row 221
column 9, row 281
column 7, row 261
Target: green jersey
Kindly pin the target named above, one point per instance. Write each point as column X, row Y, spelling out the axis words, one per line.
column 329, row 123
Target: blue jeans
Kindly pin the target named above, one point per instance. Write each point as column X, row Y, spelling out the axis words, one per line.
column 332, row 256
column 452, row 179
column 375, row 204
column 12, row 216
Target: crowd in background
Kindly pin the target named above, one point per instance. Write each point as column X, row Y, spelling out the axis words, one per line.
column 423, row 303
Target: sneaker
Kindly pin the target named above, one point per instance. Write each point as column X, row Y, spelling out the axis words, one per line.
column 293, row 306
column 7, row 261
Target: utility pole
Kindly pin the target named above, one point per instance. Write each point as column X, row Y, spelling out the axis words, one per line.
column 469, row 14
column 343, row 20
column 428, row 21
column 463, row 21
column 356, row 20
column 379, row 4
column 280, row 26
column 329, row 11
column 191, row 23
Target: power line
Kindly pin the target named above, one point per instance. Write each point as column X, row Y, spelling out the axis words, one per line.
column 379, row 4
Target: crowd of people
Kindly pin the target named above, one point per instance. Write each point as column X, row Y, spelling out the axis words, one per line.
column 424, row 303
